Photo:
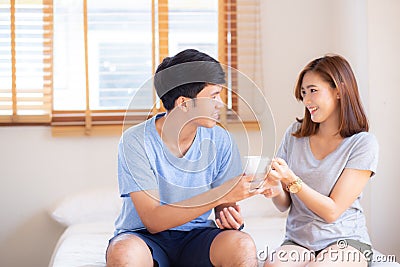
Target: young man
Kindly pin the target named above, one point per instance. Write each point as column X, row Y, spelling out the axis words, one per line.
column 174, row 168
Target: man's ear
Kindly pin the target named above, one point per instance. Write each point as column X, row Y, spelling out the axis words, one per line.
column 181, row 103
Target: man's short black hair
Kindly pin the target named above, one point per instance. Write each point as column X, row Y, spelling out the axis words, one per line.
column 186, row 74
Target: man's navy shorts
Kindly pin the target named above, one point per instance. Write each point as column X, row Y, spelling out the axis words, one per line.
column 179, row 248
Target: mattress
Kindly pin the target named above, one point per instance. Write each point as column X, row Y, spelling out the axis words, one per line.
column 82, row 245
column 85, row 244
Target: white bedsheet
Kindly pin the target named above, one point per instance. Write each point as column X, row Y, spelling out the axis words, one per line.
column 85, row 244
column 82, row 245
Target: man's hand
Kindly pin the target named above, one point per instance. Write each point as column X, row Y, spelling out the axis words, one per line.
column 229, row 217
column 238, row 188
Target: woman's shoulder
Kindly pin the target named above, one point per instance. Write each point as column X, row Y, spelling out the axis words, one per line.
column 364, row 138
column 288, row 138
column 293, row 127
column 363, row 142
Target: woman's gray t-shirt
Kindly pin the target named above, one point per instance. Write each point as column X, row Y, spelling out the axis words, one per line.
column 360, row 151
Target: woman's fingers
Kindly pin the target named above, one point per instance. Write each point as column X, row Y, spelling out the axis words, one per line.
column 271, row 192
column 275, row 174
column 280, row 161
column 276, row 166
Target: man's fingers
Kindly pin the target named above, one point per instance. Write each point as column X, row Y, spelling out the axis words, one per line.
column 223, row 219
column 259, row 191
column 229, row 218
column 248, row 177
column 219, row 224
column 235, row 215
column 237, row 207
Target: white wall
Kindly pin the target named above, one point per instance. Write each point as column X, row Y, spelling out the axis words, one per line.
column 384, row 82
column 367, row 33
column 37, row 171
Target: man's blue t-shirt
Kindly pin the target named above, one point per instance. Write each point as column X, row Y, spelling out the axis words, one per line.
column 145, row 163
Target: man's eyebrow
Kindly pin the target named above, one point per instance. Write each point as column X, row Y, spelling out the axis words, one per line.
column 217, row 91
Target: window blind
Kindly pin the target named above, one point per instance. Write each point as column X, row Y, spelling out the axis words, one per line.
column 26, row 78
column 251, row 102
column 241, row 53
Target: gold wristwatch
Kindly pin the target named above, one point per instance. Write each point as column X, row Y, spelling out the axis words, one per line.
column 295, row 186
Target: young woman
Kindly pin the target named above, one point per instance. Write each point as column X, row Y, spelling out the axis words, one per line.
column 323, row 163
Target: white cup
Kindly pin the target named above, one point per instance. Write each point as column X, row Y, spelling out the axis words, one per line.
column 257, row 166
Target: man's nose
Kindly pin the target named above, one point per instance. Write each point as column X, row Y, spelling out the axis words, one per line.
column 218, row 102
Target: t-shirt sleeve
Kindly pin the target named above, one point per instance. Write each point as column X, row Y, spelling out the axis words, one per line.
column 230, row 164
column 365, row 153
column 134, row 170
column 283, row 147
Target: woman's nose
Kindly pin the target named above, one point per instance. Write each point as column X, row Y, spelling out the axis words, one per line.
column 306, row 99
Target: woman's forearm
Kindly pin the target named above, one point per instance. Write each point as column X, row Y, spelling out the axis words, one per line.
column 282, row 201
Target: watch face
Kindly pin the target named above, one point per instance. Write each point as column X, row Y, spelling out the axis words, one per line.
column 294, row 188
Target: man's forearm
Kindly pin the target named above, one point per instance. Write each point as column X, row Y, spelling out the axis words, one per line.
column 163, row 217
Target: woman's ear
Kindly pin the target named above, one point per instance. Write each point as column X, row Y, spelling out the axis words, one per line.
column 338, row 91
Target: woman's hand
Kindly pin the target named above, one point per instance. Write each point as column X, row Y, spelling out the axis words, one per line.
column 273, row 188
column 280, row 171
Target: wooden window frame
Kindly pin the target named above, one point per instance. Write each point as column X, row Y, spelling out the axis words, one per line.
column 88, row 122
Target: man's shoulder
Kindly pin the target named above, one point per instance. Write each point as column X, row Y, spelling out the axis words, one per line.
column 216, row 132
column 138, row 131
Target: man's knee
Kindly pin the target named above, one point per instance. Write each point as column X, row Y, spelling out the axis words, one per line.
column 128, row 250
column 233, row 248
column 243, row 242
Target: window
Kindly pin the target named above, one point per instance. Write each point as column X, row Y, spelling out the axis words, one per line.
column 119, row 41
column 25, row 61
column 100, row 53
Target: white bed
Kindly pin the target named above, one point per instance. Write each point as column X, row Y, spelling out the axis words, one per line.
column 85, row 244
column 89, row 219
column 82, row 244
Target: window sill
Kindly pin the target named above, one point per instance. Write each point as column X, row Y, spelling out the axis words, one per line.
column 117, row 129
